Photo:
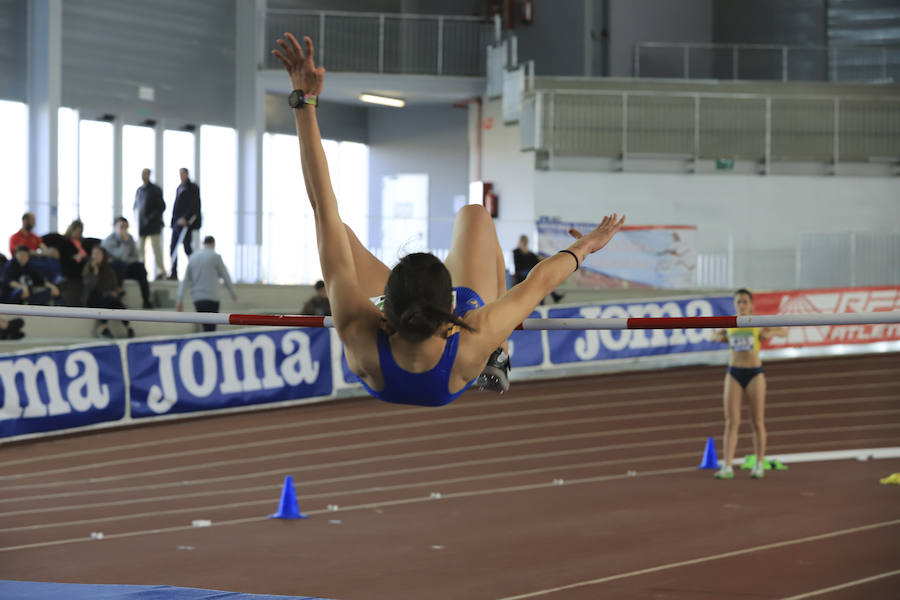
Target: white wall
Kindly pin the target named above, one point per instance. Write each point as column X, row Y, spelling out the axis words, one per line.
column 510, row 170
column 419, row 139
column 763, row 215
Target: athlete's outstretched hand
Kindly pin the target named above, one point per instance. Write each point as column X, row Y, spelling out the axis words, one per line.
column 600, row 236
column 299, row 64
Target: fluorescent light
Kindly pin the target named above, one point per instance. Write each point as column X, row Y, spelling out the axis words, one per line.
column 371, row 98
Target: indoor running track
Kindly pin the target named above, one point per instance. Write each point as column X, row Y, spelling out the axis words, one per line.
column 535, row 495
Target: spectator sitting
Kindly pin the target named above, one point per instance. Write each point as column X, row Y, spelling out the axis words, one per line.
column 125, row 260
column 11, row 329
column 101, row 287
column 23, row 283
column 318, row 305
column 205, row 268
column 45, row 258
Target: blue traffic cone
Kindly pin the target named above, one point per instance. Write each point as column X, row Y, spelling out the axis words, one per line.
column 288, row 508
column 710, row 460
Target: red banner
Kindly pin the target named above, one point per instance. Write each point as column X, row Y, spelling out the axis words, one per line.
column 839, row 300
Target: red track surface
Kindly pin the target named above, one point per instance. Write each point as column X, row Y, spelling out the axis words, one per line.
column 501, row 527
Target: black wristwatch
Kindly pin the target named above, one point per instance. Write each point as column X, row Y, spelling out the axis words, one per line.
column 298, row 98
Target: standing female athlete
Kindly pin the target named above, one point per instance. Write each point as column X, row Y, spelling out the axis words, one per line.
column 745, row 379
column 421, row 349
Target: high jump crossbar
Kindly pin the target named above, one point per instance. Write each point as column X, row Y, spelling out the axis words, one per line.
column 572, row 324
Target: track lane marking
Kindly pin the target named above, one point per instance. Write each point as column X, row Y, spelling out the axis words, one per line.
column 416, row 425
column 842, row 586
column 703, row 559
column 432, row 437
column 454, row 465
column 453, row 407
column 256, row 474
column 357, row 507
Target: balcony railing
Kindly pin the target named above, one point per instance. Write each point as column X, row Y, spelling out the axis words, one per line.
column 846, row 64
column 387, row 42
column 712, row 126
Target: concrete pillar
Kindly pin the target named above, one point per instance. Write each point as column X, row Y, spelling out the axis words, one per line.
column 44, row 94
column 250, row 122
column 117, row 173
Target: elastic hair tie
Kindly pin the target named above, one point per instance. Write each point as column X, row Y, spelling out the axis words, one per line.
column 577, row 263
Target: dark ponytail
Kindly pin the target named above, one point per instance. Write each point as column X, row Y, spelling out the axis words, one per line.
column 418, row 297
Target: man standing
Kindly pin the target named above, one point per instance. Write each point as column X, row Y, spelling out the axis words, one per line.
column 149, row 207
column 186, row 218
column 125, row 260
column 205, row 269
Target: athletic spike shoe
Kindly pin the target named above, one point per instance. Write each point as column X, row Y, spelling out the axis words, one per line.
column 724, row 473
column 758, row 471
column 495, row 376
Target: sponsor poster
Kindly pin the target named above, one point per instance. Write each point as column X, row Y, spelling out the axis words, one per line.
column 596, row 345
column 205, row 373
column 836, row 300
column 651, row 256
column 46, row 391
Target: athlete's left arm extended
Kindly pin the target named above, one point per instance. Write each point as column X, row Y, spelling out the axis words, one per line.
column 348, row 304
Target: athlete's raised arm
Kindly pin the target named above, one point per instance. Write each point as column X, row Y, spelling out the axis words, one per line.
column 335, row 256
column 503, row 315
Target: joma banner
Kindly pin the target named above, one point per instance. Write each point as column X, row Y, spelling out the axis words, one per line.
column 46, row 391
column 204, row 373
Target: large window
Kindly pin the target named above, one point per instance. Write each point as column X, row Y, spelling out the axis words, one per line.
column 95, row 177
column 218, row 189
column 138, row 153
column 67, row 167
column 289, row 253
column 13, row 169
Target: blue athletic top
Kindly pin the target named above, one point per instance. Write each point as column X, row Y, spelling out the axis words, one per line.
column 431, row 388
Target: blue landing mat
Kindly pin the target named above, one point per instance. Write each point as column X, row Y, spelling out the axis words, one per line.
column 35, row 590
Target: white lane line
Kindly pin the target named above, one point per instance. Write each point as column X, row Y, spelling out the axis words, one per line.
column 453, row 407
column 181, row 454
column 307, row 484
column 842, row 586
column 704, row 559
column 366, row 506
column 508, row 444
column 858, row 454
column 343, row 493
column 432, row 437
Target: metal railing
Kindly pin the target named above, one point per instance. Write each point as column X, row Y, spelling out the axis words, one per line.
column 699, row 125
column 848, row 64
column 387, row 42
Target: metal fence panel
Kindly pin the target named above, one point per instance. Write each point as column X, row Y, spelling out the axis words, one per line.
column 803, row 129
column 660, row 125
column 464, row 47
column 869, row 129
column 732, row 128
column 300, row 24
column 410, row 45
column 351, row 44
column 585, row 125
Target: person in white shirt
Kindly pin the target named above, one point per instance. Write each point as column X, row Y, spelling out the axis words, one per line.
column 205, row 269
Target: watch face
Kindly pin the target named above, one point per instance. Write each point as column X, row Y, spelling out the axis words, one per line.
column 295, row 99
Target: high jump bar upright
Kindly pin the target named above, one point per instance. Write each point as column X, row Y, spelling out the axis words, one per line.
column 574, row 324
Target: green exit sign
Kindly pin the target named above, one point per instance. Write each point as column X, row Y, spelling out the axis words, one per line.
column 724, row 164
